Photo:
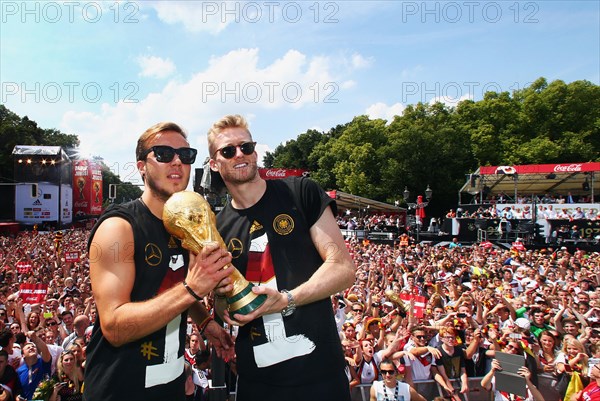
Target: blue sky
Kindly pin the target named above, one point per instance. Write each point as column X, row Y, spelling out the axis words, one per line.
column 107, row 70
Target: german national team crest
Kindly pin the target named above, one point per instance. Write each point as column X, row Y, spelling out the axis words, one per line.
column 283, row 224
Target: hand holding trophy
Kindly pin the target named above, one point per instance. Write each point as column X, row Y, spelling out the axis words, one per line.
column 187, row 216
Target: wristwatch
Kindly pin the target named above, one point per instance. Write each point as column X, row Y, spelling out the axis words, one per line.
column 288, row 310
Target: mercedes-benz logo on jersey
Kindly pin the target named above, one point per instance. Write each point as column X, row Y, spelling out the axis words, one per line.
column 152, row 254
column 283, row 224
column 235, row 247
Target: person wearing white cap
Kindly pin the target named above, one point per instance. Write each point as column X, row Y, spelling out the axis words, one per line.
column 523, row 323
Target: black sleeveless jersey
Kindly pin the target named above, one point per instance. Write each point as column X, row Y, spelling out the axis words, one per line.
column 271, row 246
column 150, row 368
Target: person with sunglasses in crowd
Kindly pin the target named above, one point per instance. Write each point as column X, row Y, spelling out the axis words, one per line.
column 288, row 348
column 145, row 284
column 389, row 388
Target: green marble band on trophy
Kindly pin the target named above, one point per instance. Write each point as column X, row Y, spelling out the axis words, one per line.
column 188, row 216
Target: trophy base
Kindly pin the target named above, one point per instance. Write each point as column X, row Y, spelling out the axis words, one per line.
column 245, row 301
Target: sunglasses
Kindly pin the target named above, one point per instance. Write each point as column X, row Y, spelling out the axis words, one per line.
column 51, row 324
column 420, row 337
column 165, row 154
column 229, row 151
column 388, row 372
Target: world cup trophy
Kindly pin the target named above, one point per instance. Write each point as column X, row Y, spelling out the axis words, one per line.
column 187, row 216
column 96, row 187
column 395, row 298
column 80, row 186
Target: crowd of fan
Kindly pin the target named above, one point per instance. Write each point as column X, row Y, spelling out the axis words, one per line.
column 546, row 198
column 478, row 300
column 542, row 304
column 525, row 213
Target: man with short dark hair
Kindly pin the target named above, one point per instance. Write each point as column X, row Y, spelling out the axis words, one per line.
column 538, row 322
column 36, row 367
column 145, row 284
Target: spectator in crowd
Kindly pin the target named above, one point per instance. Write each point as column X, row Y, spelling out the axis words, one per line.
column 69, row 379
column 548, row 352
column 80, row 324
column 390, row 388
column 451, row 364
column 489, row 383
column 592, row 391
column 36, row 367
column 8, row 377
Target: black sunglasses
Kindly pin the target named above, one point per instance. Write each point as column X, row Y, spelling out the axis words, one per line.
column 229, row 151
column 51, row 324
column 165, row 154
column 388, row 372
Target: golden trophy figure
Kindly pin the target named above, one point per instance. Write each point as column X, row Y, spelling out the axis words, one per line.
column 395, row 298
column 80, row 186
column 187, row 215
column 96, row 187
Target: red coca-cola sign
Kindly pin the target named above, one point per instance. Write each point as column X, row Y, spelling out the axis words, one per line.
column 277, row 173
column 542, row 168
column 568, row 168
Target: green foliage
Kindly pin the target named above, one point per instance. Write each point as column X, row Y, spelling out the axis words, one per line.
column 437, row 145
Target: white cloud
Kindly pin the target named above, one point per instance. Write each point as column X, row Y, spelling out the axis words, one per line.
column 359, row 61
column 236, row 82
column 383, row 111
column 208, row 17
column 155, row 67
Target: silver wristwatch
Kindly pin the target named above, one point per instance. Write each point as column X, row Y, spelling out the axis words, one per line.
column 288, row 310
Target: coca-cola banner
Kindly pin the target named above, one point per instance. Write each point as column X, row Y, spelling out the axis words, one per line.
column 72, row 256
column 542, row 168
column 87, row 188
column 33, row 293
column 276, row 173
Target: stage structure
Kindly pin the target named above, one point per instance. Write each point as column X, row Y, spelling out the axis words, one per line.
column 512, row 183
column 51, row 169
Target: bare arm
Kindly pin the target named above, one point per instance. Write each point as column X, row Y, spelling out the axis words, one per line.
column 415, row 396
column 41, row 346
column 218, row 337
column 112, row 272
column 335, row 274
column 372, row 394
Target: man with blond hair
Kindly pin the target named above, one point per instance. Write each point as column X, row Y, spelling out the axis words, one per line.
column 284, row 237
